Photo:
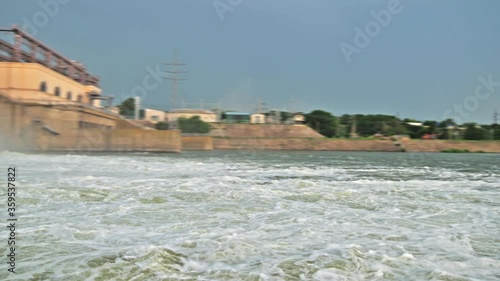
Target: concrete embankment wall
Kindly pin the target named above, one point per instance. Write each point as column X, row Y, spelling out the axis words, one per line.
column 263, row 131
column 111, row 140
column 301, row 137
column 354, row 145
column 440, row 145
column 287, row 137
column 144, row 140
column 69, row 127
column 306, row 144
column 25, row 126
column 197, row 143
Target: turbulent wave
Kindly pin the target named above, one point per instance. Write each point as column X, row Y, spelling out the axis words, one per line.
column 271, row 216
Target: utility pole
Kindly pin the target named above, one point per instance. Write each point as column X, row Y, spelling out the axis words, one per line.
column 174, row 72
column 137, row 105
column 353, row 127
column 292, row 108
column 495, row 124
column 259, row 106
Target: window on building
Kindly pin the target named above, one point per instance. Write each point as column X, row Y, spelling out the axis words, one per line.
column 80, row 98
column 69, row 95
column 43, row 86
column 57, row 91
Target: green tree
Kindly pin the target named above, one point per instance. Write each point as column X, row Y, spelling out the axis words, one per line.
column 446, row 123
column 474, row 132
column 397, row 128
column 161, row 126
column 285, row 116
column 368, row 125
column 495, row 129
column 345, row 122
column 415, row 132
column 429, row 127
column 127, row 107
column 193, row 125
column 323, row 122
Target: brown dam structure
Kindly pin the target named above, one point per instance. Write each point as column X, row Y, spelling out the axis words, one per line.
column 44, row 126
column 51, row 103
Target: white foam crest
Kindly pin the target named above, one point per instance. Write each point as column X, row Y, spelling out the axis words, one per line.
column 291, row 217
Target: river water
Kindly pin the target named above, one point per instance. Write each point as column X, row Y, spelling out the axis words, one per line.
column 239, row 215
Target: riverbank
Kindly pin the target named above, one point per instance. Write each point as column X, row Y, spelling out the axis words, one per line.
column 301, row 137
column 320, row 144
column 450, row 145
column 325, row 144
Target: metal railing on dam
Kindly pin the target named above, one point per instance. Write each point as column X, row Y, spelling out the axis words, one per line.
column 25, row 48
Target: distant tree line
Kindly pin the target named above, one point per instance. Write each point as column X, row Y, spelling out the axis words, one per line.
column 368, row 125
column 193, row 125
column 371, row 124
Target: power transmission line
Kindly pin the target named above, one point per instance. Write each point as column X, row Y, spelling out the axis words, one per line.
column 174, row 76
column 495, row 123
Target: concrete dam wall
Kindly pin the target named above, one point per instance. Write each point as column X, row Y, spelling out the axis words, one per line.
column 440, row 145
column 305, row 144
column 263, row 131
column 73, row 127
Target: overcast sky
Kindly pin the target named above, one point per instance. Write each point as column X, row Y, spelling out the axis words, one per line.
column 423, row 62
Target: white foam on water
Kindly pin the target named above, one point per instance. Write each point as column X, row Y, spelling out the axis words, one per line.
column 337, row 217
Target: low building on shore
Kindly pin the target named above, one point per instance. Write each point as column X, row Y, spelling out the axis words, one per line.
column 152, row 115
column 298, row 118
column 236, row 117
column 258, row 118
